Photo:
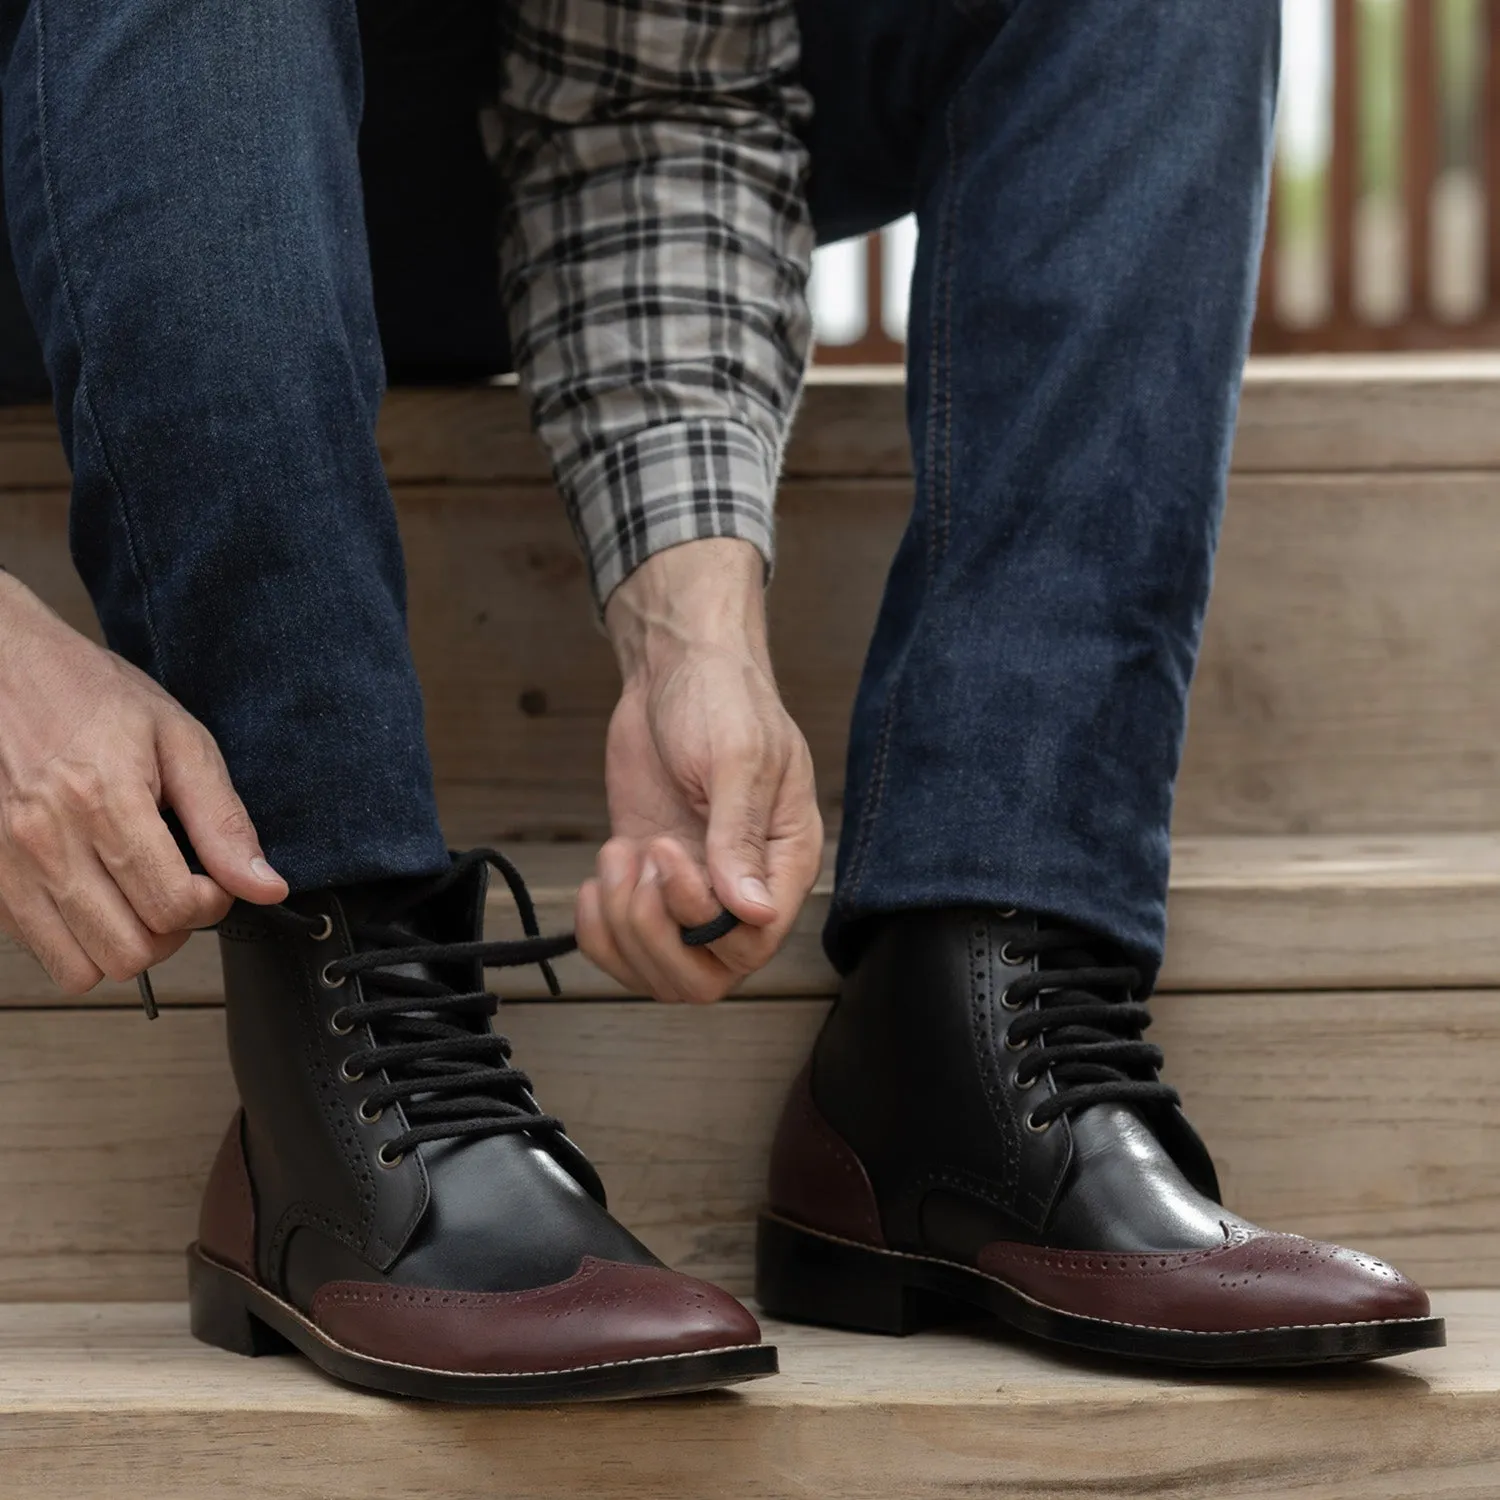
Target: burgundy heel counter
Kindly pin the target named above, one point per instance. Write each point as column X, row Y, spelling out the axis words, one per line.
column 226, row 1219
column 816, row 1179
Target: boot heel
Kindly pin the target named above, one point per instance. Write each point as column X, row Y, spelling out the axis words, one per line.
column 218, row 1313
column 806, row 1278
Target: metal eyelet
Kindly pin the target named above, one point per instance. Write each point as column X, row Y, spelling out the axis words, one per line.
column 1014, row 1046
column 347, row 1074
column 333, row 1023
column 326, row 933
column 1006, row 1003
column 1034, row 1128
column 366, row 1118
column 1009, row 912
column 1010, row 957
column 1028, row 1085
column 331, row 984
column 389, row 1162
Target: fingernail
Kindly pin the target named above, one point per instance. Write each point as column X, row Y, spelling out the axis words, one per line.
column 261, row 870
column 612, row 866
column 755, row 890
column 649, row 873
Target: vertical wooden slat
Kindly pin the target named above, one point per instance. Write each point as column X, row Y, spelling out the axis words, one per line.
column 1267, row 312
column 1343, row 184
column 1491, row 113
column 875, row 287
column 1421, row 157
column 875, row 346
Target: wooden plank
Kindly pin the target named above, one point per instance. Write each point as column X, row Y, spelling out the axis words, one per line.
column 1318, row 413
column 1369, row 413
column 1346, row 686
column 1490, row 125
column 90, row 1394
column 1422, row 149
column 1244, row 914
column 1347, row 683
column 1344, row 185
column 1367, row 1118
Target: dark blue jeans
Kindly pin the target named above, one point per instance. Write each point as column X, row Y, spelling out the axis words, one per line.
column 182, row 183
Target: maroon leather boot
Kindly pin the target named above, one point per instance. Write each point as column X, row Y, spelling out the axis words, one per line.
column 981, row 1125
column 391, row 1201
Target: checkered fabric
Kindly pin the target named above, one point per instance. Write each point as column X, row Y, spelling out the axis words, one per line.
column 655, row 253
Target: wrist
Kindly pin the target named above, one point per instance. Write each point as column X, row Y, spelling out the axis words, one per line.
column 707, row 595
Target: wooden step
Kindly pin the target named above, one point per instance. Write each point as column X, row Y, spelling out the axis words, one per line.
column 99, row 1401
column 1347, row 681
column 1245, row 914
column 1366, row 1117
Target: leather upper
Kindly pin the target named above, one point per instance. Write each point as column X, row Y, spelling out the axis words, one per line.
column 604, row 1313
column 492, row 1214
column 912, row 1073
column 1252, row 1280
column 909, row 1131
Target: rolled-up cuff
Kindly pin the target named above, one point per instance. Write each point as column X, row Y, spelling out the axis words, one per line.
column 663, row 486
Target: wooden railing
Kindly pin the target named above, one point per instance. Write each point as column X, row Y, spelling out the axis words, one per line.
column 1390, row 238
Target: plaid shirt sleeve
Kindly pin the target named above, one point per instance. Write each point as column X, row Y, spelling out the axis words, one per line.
column 655, row 255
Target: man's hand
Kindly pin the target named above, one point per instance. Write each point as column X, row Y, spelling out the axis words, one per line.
column 91, row 749
column 710, row 783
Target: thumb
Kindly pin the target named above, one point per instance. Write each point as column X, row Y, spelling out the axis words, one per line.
column 196, row 786
column 738, row 817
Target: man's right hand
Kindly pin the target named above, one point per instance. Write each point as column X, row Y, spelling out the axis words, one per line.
column 91, row 750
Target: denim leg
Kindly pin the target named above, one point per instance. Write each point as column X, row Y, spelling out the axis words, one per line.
column 1091, row 196
column 22, row 374
column 182, row 191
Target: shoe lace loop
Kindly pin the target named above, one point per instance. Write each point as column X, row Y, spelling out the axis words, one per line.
column 440, row 1060
column 1083, row 1025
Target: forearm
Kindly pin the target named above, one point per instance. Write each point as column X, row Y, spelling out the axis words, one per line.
column 707, row 596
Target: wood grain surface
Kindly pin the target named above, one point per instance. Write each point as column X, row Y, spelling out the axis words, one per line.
column 1347, row 682
column 1244, row 914
column 1332, row 413
column 1368, row 1118
column 100, row 1401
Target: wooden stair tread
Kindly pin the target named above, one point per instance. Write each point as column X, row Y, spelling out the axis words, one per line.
column 1250, row 913
column 1307, row 413
column 90, row 1395
column 139, row 1355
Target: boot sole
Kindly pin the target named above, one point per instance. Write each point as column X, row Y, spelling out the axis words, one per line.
column 807, row 1277
column 231, row 1312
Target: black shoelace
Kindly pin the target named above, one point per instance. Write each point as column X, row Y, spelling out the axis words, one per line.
column 1084, row 1026
column 451, row 1079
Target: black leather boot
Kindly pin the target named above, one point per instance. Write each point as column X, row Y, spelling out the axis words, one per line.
column 392, row 1202
column 982, row 1125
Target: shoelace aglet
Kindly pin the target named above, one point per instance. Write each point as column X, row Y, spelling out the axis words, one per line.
column 148, row 995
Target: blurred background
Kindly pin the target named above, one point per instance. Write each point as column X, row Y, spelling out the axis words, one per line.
column 1385, row 217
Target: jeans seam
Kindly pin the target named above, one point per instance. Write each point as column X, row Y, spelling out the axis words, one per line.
column 940, row 376
column 83, row 395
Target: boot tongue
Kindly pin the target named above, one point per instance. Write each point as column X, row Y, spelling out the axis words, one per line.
column 410, row 912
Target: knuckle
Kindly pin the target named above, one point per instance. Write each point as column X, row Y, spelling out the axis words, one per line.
column 81, row 786
column 128, row 958
column 167, row 913
column 74, row 976
column 29, row 825
column 231, row 819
